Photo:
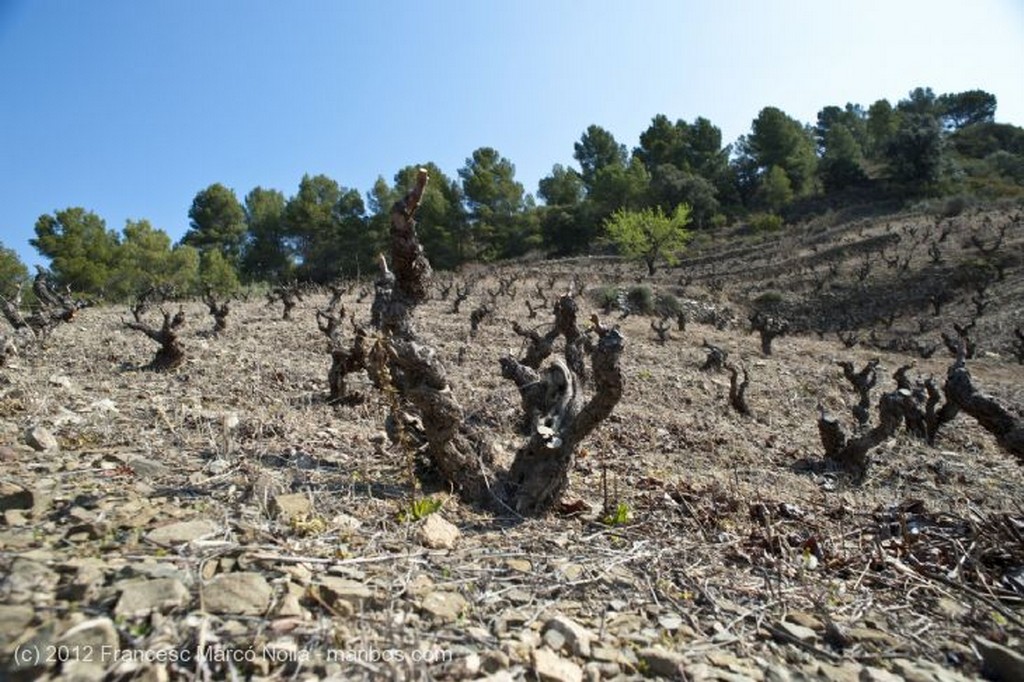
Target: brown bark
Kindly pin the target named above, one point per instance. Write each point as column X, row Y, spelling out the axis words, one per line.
column 716, row 358
column 559, row 415
column 661, row 327
column 289, row 295
column 993, row 417
column 769, row 327
column 219, row 311
column 561, row 418
column 344, row 360
column 862, row 382
column 853, row 453
column 738, row 390
column 171, row 353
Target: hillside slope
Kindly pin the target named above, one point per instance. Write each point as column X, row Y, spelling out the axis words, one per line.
column 226, row 509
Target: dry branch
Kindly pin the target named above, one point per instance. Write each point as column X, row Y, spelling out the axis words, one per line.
column 661, row 328
column 461, row 294
column 219, row 311
column 51, row 309
column 556, row 409
column 862, row 382
column 962, row 343
column 769, row 327
column 738, row 389
column 171, row 353
column 716, row 358
column 853, row 453
column 477, row 317
column 289, row 295
column 993, row 417
column 344, row 360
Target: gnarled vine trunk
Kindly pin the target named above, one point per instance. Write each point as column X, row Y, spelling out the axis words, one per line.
column 557, row 413
column 996, row 419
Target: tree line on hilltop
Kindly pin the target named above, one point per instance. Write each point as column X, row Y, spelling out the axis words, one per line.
column 925, row 145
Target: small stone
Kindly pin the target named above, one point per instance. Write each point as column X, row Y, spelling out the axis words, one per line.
column 148, row 468
column 444, row 606
column 605, row 654
column 103, row 405
column 218, row 466
column 28, row 581
column 181, row 532
column 438, row 533
column 846, row 672
column 290, row 607
column 13, row 496
column 8, row 454
column 59, row 380
column 336, row 591
column 518, row 595
column 493, row 661
column 726, row 661
column 924, row 671
column 872, row 635
column 550, row 666
column 871, row 674
column 15, row 517
column 662, row 662
column 701, row 672
column 14, row 619
column 292, row 505
column 670, row 621
column 571, row 571
column 243, row 594
column 41, row 440
column 776, row 673
column 554, row 640
column 575, row 635
column 520, row 565
column 98, row 636
column 466, row 667
column 139, row 598
column 345, row 522
column 1000, row 662
column 800, row 632
column 805, row 619
column 596, row 670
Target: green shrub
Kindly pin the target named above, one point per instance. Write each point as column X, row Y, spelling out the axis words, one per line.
column 769, row 300
column 953, row 206
column 667, row 304
column 765, row 222
column 640, row 299
column 619, row 516
column 606, row 298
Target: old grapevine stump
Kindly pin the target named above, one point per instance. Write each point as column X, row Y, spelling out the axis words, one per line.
column 558, row 414
column 993, row 417
column 171, row 353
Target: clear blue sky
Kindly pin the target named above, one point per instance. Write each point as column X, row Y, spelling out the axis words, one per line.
column 130, row 107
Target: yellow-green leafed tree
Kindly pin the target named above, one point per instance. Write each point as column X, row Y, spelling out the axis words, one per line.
column 649, row 234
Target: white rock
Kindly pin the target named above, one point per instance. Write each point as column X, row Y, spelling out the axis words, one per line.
column 438, row 533
column 552, row 667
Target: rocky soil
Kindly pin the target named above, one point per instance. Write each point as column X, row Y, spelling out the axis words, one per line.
column 223, row 520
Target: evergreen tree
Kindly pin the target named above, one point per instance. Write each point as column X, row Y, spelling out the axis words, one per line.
column 266, row 255
column 217, row 221
column 12, row 271
column 83, row 253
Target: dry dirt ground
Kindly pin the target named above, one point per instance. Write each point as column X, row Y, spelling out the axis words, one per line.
column 222, row 520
